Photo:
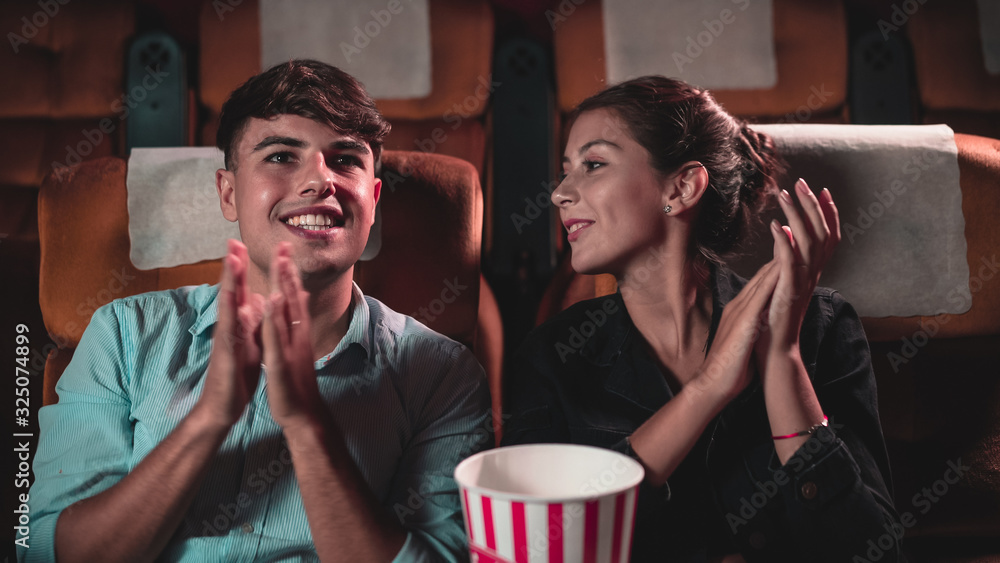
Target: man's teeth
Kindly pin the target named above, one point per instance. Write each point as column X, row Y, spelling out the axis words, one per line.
column 310, row 222
column 577, row 226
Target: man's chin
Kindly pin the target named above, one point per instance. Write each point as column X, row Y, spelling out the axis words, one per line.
column 322, row 274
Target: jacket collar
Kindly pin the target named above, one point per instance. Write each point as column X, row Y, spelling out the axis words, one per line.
column 619, row 346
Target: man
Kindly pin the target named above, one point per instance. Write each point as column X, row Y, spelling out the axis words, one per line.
column 281, row 415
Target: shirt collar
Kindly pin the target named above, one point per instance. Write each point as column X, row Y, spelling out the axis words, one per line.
column 359, row 331
column 208, row 313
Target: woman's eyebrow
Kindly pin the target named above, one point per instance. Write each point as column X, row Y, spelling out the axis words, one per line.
column 593, row 143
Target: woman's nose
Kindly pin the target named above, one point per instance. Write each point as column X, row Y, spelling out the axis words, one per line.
column 565, row 193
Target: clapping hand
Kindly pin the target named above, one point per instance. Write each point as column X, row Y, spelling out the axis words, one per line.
column 802, row 249
column 234, row 365
column 292, row 389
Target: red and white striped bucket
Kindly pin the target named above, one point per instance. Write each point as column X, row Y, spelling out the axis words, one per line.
column 549, row 503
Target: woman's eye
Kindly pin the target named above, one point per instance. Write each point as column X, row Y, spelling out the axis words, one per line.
column 562, row 176
column 591, row 165
column 280, row 157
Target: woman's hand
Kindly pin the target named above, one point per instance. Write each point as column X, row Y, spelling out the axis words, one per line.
column 725, row 369
column 292, row 391
column 801, row 249
column 667, row 437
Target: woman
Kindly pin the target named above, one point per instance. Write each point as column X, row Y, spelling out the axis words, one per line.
column 751, row 404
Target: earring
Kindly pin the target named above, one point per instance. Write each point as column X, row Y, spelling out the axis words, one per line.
column 667, row 209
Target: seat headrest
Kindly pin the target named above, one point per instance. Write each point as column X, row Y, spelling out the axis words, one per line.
column 723, row 44
column 387, row 49
column 903, row 249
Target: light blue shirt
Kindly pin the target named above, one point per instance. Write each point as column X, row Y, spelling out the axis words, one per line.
column 410, row 403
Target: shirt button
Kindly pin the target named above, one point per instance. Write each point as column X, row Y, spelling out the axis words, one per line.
column 809, row 490
column 247, row 527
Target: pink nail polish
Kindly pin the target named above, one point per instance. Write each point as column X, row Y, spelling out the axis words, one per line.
column 801, row 186
column 785, row 196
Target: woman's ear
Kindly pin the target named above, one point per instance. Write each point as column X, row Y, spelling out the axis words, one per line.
column 686, row 186
column 225, row 185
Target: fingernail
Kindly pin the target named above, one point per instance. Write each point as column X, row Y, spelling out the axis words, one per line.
column 801, row 186
column 785, row 196
column 774, row 226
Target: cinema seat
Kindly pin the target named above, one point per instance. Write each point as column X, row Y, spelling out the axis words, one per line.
column 804, row 63
column 449, row 121
column 952, row 80
column 939, row 385
column 461, row 54
column 85, row 247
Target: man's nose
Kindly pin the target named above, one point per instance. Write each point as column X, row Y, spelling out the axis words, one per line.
column 318, row 177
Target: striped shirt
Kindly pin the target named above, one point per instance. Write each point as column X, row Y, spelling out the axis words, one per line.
column 411, row 404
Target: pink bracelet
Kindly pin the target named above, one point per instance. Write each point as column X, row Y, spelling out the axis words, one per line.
column 812, row 430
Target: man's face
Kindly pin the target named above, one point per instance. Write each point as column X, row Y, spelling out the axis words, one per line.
column 301, row 181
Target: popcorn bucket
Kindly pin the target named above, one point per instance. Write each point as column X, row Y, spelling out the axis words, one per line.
column 549, row 503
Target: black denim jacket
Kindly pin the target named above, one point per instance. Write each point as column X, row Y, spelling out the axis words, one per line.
column 585, row 377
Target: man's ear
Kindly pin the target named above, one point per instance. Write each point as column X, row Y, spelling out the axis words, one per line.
column 225, row 184
column 685, row 187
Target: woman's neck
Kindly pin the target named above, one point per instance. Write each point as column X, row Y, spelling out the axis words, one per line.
column 670, row 302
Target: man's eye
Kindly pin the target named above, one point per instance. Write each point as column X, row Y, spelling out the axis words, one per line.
column 280, row 157
column 347, row 160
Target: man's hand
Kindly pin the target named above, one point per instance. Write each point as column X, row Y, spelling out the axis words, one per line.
column 234, row 366
column 288, row 355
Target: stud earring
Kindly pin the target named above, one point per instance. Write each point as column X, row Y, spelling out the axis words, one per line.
column 667, row 209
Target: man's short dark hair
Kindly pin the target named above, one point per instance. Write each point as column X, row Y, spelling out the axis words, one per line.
column 306, row 88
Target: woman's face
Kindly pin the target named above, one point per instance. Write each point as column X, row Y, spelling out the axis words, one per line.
column 611, row 198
